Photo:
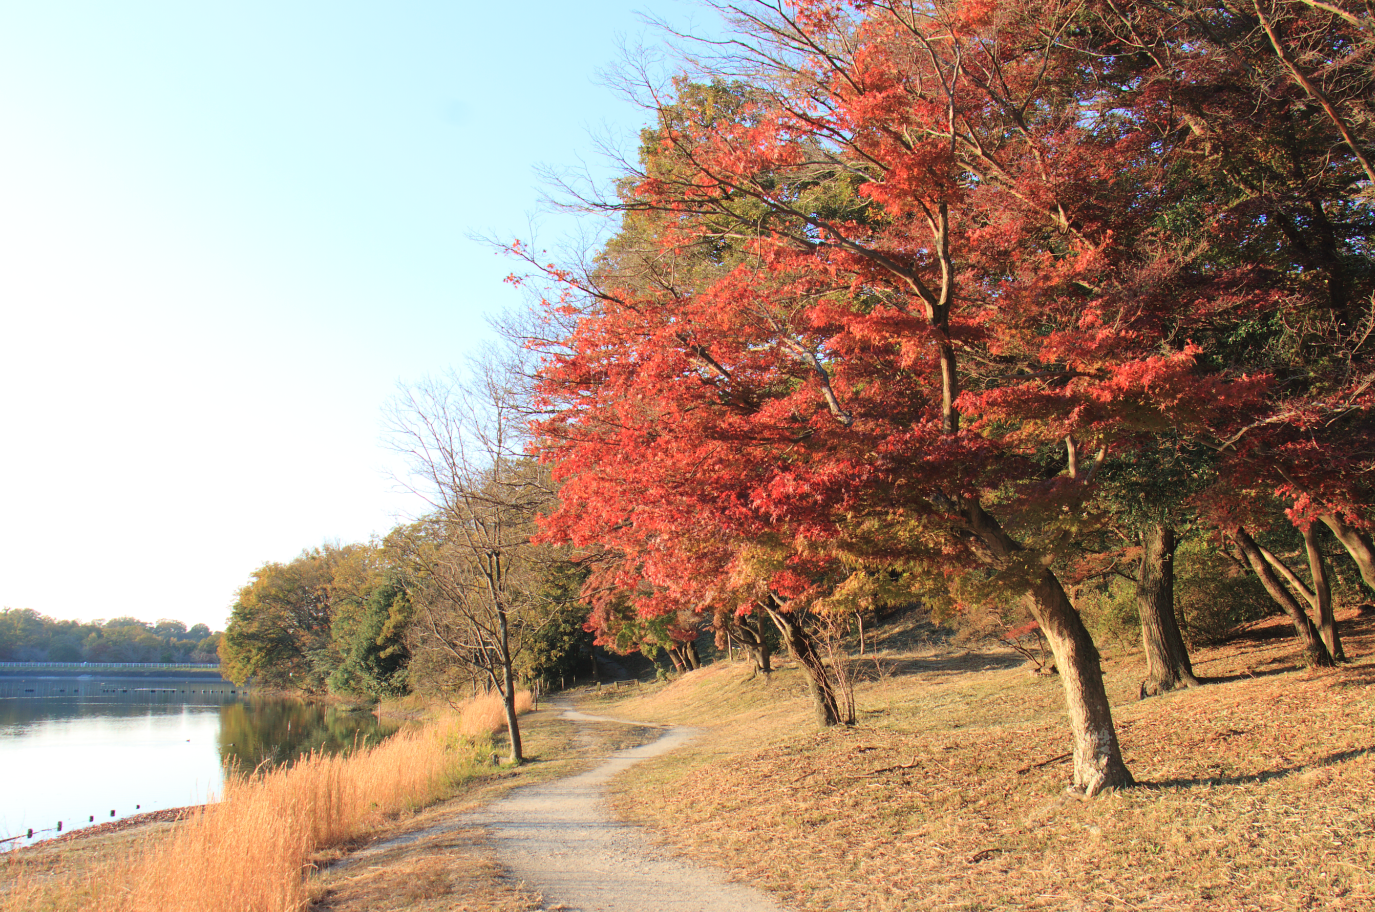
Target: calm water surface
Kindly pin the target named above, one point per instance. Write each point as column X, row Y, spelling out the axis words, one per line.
column 75, row 749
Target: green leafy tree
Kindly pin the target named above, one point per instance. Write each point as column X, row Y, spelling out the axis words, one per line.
column 560, row 639
column 370, row 639
column 279, row 619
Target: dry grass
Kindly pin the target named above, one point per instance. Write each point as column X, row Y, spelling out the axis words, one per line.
column 250, row 850
column 486, row 714
column 1258, row 790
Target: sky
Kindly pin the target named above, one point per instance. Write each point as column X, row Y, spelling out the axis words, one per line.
column 227, row 233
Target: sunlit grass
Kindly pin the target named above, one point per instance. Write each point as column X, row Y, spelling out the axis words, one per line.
column 949, row 794
column 486, row 714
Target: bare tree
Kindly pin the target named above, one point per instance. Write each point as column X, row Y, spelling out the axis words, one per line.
column 475, row 571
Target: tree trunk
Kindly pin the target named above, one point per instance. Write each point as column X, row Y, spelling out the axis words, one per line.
column 508, row 694
column 803, row 648
column 690, row 656
column 1097, row 757
column 752, row 639
column 1167, row 658
column 1315, row 651
column 1322, row 595
column 1357, row 543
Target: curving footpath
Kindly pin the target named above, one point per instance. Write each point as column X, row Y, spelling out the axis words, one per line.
column 562, row 841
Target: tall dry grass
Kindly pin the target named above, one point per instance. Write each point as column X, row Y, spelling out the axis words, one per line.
column 486, row 714
column 249, row 851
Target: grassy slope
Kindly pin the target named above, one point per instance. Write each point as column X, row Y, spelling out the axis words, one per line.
column 1258, row 790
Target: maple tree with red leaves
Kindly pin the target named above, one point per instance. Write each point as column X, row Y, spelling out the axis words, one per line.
column 885, row 304
column 1277, row 218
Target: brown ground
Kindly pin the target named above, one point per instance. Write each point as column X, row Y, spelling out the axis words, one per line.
column 167, row 815
column 1257, row 792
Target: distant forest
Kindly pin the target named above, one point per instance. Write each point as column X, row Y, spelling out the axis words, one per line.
column 27, row 636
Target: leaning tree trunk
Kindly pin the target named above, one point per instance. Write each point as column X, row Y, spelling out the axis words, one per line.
column 1357, row 543
column 1167, row 658
column 1097, row 757
column 1322, row 595
column 1315, row 651
column 803, row 648
column 1098, row 761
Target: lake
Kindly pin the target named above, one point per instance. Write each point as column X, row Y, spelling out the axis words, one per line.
column 77, row 749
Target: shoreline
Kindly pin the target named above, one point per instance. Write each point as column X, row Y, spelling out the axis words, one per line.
column 166, row 815
column 124, row 674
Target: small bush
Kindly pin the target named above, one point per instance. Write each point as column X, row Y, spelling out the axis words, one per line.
column 1108, row 607
column 1212, row 596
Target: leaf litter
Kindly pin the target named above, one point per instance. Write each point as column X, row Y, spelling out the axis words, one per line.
column 1257, row 791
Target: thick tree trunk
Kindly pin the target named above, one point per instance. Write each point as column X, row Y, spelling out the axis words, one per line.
column 803, row 648
column 1167, row 658
column 1097, row 757
column 1315, row 651
column 1322, row 595
column 1357, row 543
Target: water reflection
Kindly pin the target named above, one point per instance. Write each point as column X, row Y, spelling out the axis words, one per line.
column 84, row 751
column 25, row 701
column 264, row 731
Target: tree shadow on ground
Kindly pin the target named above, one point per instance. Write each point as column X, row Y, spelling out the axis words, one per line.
column 1346, row 675
column 1264, row 775
column 1251, row 674
column 1354, row 675
column 870, row 668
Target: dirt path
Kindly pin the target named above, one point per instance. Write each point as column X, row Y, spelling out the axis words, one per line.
column 562, row 840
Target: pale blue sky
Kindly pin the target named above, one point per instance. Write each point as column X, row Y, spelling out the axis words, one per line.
column 227, row 231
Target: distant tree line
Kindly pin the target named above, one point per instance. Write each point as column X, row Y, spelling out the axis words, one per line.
column 27, row 636
column 410, row 613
